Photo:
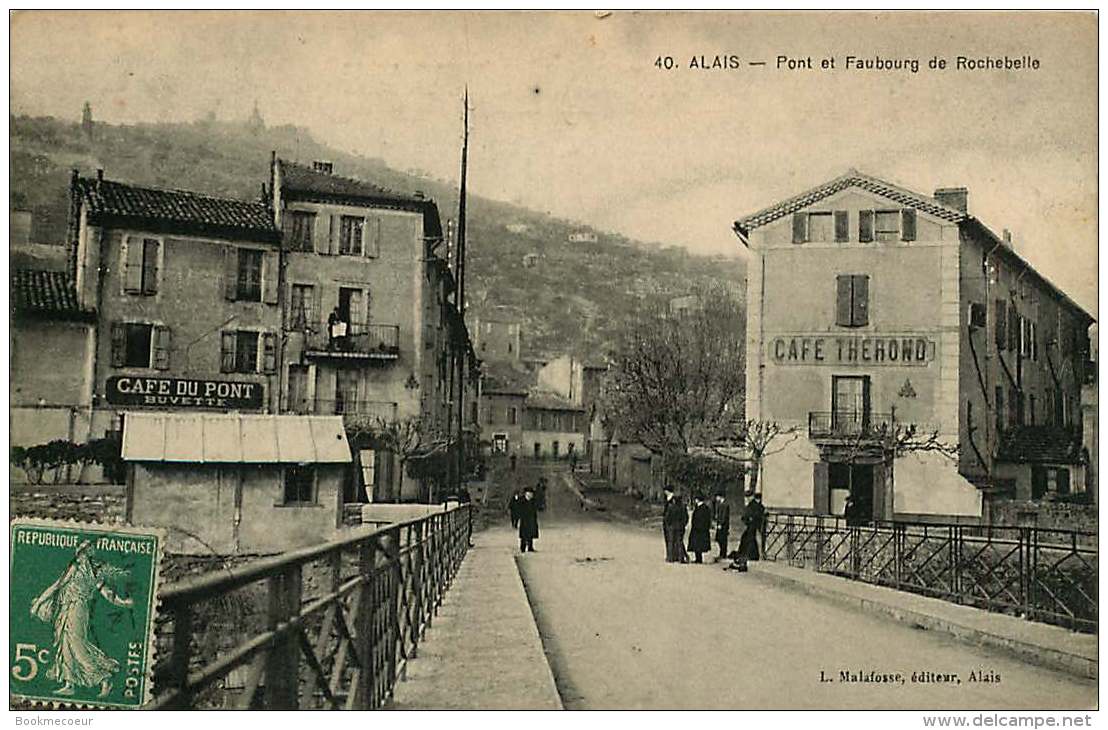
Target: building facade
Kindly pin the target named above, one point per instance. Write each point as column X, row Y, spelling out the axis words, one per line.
column 911, row 347
column 185, row 290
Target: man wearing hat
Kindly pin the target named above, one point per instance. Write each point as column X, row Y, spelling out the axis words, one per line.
column 528, row 521
column 723, row 523
column 674, row 518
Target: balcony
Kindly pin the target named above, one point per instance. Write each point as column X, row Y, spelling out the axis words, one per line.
column 848, row 425
column 360, row 341
column 362, row 409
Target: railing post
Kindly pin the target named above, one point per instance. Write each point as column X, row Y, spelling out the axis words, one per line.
column 956, row 562
column 819, row 544
column 416, row 547
column 363, row 625
column 898, row 553
column 790, row 537
column 282, row 674
column 179, row 659
column 395, row 586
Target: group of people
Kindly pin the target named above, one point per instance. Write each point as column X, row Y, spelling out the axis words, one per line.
column 705, row 515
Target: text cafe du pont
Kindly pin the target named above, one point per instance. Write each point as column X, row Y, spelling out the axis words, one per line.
column 816, row 350
column 180, row 392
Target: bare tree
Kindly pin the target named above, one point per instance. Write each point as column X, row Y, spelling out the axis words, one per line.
column 677, row 378
column 407, row 438
column 759, row 439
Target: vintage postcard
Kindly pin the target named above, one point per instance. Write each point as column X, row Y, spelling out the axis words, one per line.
column 538, row 360
column 82, row 602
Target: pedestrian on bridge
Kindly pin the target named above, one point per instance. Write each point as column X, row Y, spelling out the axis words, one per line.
column 513, row 508
column 723, row 524
column 528, row 521
column 700, row 540
column 753, row 517
column 673, row 526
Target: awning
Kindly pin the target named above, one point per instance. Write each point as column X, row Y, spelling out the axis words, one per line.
column 206, row 438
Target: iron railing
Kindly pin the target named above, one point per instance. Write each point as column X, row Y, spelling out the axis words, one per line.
column 1039, row 574
column 385, row 410
column 329, row 626
column 847, row 424
column 374, row 340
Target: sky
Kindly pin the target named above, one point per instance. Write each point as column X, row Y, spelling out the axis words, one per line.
column 572, row 114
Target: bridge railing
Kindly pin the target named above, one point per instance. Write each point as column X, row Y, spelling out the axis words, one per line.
column 1040, row 574
column 329, row 626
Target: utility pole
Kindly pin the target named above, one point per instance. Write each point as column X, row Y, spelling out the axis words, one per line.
column 459, row 291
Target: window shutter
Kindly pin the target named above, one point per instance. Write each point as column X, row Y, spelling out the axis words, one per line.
column 227, row 353
column 119, row 344
column 331, row 247
column 269, row 277
column 150, row 248
column 269, row 352
column 373, row 236
column 1001, row 324
column 286, row 308
column 908, row 224
column 860, row 312
column 1013, row 330
column 842, row 300
column 865, row 226
column 132, row 266
column 842, row 226
column 161, row 347
column 821, row 493
column 800, row 227
column 356, row 308
column 316, row 313
column 368, row 307
column 230, row 273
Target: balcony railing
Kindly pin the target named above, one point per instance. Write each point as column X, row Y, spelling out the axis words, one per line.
column 342, row 407
column 351, row 340
column 847, row 424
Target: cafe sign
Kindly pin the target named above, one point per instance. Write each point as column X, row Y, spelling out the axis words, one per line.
column 127, row 390
column 852, row 350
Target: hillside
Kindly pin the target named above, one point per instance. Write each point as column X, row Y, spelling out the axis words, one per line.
column 573, row 295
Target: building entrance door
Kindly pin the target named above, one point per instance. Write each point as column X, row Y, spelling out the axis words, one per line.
column 849, row 404
column 851, row 480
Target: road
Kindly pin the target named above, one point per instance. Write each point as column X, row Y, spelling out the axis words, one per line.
column 625, row 630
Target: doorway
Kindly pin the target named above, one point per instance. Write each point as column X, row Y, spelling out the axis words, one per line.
column 845, row 480
column 850, row 403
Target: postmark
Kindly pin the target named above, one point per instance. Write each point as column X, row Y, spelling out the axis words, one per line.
column 82, row 604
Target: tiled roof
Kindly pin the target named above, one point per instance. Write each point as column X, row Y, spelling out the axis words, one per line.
column 852, row 178
column 297, row 178
column 1040, row 444
column 550, row 402
column 503, row 379
column 45, row 294
column 108, row 201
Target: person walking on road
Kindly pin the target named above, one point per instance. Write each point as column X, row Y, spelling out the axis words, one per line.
column 753, row 517
column 513, row 508
column 723, row 524
column 528, row 521
column 673, row 520
column 700, row 540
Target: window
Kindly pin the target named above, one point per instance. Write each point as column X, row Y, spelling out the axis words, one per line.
column 248, row 351
column 999, row 396
column 852, row 300
column 1015, row 407
column 140, row 265
column 300, row 484
column 137, row 348
column 1031, row 409
column 298, row 389
column 301, row 225
column 350, row 235
column 488, row 415
column 886, row 225
column 302, row 306
column 512, row 415
column 1049, row 480
column 346, row 390
column 140, row 345
column 249, row 275
column 820, row 227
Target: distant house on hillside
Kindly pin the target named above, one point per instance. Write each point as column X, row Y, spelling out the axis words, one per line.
column 530, row 260
column 582, row 237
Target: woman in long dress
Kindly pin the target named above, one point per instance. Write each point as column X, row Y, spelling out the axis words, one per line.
column 67, row 603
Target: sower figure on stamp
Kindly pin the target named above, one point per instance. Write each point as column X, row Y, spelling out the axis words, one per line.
column 528, row 521
column 723, row 524
column 67, row 604
column 701, row 528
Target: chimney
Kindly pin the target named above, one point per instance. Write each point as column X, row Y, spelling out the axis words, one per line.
column 957, row 198
column 1007, row 235
column 323, row 167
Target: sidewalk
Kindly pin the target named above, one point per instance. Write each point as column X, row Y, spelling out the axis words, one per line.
column 1036, row 643
column 483, row 650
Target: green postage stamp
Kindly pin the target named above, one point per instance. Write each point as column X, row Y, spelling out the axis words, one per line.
column 81, row 612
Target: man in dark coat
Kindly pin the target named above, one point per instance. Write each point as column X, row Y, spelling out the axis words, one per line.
column 753, row 517
column 673, row 525
column 513, row 508
column 700, row 540
column 528, row 521
column 723, row 524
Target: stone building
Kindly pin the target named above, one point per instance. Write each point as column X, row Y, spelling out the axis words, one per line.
column 873, row 310
column 370, row 333
column 52, row 341
column 185, row 290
